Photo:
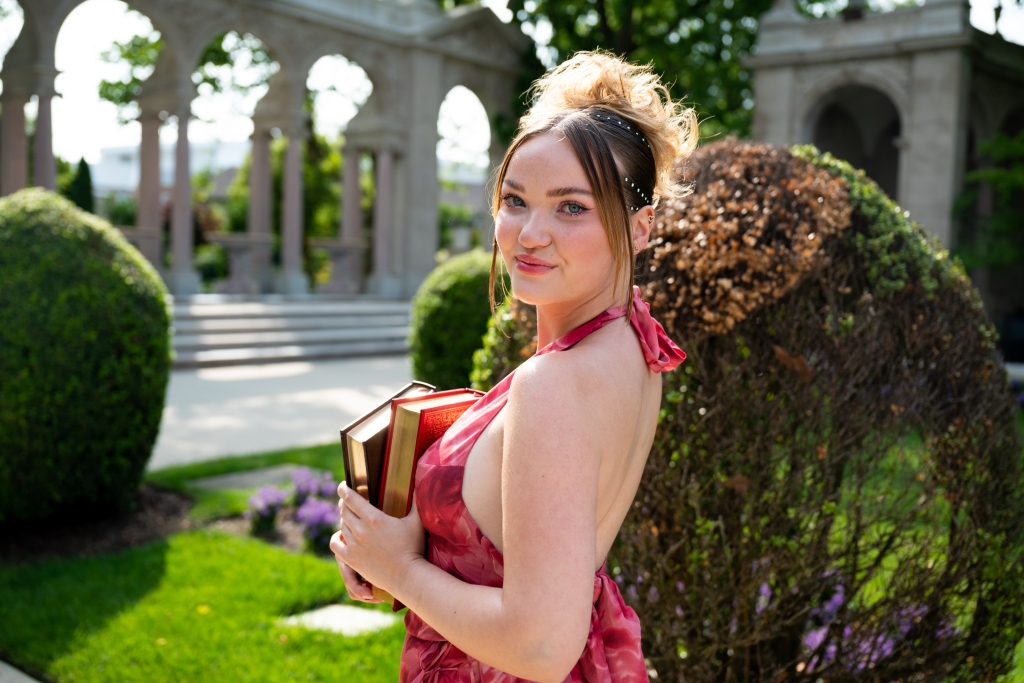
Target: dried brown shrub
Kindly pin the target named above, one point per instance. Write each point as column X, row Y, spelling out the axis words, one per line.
column 755, row 225
column 834, row 488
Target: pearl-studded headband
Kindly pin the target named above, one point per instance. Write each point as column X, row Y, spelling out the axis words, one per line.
column 622, row 124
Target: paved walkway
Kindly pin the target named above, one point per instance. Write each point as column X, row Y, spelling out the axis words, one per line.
column 216, row 412
column 8, row 674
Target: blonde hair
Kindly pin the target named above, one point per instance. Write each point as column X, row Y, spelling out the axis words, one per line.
column 627, row 133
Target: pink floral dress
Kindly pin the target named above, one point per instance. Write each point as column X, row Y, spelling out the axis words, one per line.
column 455, row 543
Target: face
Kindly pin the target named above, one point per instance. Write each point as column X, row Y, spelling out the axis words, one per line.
column 548, row 229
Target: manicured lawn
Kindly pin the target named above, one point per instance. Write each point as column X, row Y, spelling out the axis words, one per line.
column 198, row 606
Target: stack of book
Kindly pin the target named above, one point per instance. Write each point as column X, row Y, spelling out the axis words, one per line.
column 381, row 448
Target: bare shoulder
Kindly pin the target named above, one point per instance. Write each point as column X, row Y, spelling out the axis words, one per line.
column 592, row 378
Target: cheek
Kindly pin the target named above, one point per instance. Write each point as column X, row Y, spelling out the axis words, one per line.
column 587, row 246
column 506, row 233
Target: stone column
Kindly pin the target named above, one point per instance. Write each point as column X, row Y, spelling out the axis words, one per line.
column 13, row 143
column 383, row 281
column 930, row 162
column 184, row 279
column 260, row 199
column 351, row 201
column 45, row 167
column 149, row 172
column 292, row 280
column 148, row 219
column 418, row 232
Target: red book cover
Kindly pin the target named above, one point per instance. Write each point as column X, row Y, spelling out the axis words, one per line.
column 435, row 426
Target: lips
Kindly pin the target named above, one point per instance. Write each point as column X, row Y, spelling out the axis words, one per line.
column 532, row 265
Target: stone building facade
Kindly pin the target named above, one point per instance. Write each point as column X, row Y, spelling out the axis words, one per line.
column 413, row 53
column 907, row 95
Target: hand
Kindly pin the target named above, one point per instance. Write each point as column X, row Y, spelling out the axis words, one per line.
column 377, row 546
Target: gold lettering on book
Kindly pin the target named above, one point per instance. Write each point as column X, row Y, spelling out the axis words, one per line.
column 438, row 422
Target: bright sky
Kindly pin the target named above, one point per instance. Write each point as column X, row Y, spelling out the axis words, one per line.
column 82, row 124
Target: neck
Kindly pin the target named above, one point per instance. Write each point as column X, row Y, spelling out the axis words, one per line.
column 557, row 319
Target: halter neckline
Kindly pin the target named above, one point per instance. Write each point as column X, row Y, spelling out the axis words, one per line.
column 660, row 352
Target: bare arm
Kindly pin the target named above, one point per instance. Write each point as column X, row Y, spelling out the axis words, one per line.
column 536, row 625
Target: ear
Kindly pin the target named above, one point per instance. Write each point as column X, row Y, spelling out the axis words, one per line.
column 641, row 224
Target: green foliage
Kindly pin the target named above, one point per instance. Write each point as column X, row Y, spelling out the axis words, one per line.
column 895, row 250
column 198, row 606
column 449, row 317
column 228, row 50
column 997, row 240
column 214, row 73
column 84, row 360
column 80, row 189
column 696, row 46
column 452, row 216
column 139, row 54
column 65, row 175
column 119, row 210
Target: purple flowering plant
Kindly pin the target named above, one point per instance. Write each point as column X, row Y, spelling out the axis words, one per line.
column 319, row 519
column 307, row 484
column 263, row 508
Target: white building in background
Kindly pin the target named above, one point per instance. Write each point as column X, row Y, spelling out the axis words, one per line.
column 118, row 169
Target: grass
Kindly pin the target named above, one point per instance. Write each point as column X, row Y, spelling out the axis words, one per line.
column 198, row 606
column 227, row 503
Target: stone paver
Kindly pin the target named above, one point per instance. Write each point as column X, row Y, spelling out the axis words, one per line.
column 344, row 619
column 8, row 674
column 237, row 410
column 276, row 475
column 1015, row 371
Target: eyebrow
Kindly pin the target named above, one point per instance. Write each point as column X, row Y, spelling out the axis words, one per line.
column 560, row 192
column 563, row 191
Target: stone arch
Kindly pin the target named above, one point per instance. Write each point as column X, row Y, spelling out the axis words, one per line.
column 861, row 124
column 358, row 100
column 1013, row 121
column 810, row 103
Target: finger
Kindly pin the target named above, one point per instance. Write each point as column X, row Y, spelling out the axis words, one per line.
column 359, row 506
column 339, row 546
column 351, row 529
column 357, row 590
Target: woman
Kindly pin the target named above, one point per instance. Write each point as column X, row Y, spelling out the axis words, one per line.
column 523, row 497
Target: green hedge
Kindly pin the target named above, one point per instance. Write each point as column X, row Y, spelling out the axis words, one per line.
column 449, row 317
column 84, row 360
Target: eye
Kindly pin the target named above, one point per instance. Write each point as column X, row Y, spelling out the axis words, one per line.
column 512, row 200
column 573, row 208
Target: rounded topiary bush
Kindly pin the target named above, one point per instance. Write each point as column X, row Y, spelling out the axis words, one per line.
column 84, row 360
column 834, row 491
column 449, row 317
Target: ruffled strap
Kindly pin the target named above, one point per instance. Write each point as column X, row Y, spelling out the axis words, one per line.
column 660, row 352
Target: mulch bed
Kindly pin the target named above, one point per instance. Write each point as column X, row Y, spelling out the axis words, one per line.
column 157, row 513
column 287, row 535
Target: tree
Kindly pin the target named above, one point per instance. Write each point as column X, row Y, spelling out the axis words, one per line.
column 80, row 189
column 696, row 46
column 997, row 240
column 213, row 72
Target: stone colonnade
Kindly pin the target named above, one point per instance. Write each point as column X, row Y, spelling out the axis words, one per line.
column 413, row 52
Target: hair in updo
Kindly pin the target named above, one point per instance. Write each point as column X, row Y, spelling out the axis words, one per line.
column 627, row 133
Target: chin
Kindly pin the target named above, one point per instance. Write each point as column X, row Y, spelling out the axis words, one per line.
column 533, row 294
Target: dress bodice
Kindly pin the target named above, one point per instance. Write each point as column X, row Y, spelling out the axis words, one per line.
column 456, row 544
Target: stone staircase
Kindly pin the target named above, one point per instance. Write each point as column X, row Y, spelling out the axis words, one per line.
column 219, row 330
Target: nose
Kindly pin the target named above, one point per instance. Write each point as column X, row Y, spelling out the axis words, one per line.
column 534, row 234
